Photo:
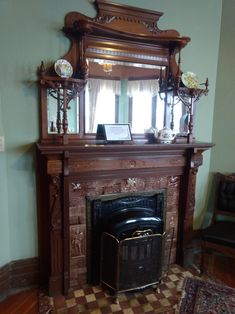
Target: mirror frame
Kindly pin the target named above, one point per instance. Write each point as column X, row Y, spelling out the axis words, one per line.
column 117, row 32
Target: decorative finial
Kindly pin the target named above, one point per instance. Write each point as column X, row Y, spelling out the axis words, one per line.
column 42, row 67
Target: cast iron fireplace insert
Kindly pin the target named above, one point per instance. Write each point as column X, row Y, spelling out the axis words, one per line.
column 122, row 215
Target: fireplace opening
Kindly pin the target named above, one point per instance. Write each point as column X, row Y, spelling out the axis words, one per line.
column 139, row 217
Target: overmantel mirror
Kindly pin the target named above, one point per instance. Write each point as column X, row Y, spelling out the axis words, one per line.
column 110, row 74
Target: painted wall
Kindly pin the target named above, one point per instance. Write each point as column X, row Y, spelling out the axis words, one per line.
column 29, row 33
column 4, row 217
column 223, row 157
column 223, row 153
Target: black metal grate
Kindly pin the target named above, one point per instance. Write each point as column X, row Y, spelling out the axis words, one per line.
column 135, row 262
column 139, row 262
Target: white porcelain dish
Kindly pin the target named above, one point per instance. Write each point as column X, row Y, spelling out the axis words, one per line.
column 63, row 68
column 190, row 80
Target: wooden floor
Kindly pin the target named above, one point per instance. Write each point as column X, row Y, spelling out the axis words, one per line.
column 222, row 269
column 27, row 302
column 21, row 303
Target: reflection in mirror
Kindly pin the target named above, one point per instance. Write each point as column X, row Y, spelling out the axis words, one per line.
column 174, row 113
column 55, row 116
column 101, row 100
column 125, row 92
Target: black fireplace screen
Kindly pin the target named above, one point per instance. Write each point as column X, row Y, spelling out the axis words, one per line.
column 131, row 228
column 135, row 262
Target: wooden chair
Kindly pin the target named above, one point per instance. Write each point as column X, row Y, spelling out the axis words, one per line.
column 220, row 235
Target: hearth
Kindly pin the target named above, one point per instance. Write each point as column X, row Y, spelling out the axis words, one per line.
column 125, row 236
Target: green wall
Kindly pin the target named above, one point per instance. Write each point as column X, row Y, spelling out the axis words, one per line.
column 223, row 157
column 30, row 32
column 4, row 217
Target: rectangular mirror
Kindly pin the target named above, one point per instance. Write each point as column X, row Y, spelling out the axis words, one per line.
column 119, row 92
column 128, row 92
column 55, row 113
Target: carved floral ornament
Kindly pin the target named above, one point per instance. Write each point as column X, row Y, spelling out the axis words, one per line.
column 130, row 184
column 151, row 26
column 173, row 181
column 76, row 186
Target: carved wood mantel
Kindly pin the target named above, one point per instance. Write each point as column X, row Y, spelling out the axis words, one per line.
column 68, row 174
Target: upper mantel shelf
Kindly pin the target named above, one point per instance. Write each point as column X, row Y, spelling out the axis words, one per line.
column 124, row 148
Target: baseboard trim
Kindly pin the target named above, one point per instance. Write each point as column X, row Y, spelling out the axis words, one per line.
column 18, row 275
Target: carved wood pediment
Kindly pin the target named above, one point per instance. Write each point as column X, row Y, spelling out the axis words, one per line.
column 123, row 22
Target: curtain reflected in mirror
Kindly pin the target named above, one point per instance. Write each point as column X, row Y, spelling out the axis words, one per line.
column 144, row 102
column 101, row 103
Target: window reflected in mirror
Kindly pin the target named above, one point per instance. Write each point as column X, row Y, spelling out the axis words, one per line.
column 152, row 115
column 124, row 92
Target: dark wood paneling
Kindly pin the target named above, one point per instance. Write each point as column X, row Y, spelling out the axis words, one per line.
column 4, row 281
column 18, row 275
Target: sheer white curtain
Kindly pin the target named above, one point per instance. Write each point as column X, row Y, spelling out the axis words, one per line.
column 150, row 86
column 142, row 93
column 95, row 86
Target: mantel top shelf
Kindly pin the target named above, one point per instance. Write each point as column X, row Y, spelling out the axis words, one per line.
column 121, row 148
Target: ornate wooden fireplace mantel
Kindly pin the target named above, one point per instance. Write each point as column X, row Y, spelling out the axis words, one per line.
column 69, row 174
